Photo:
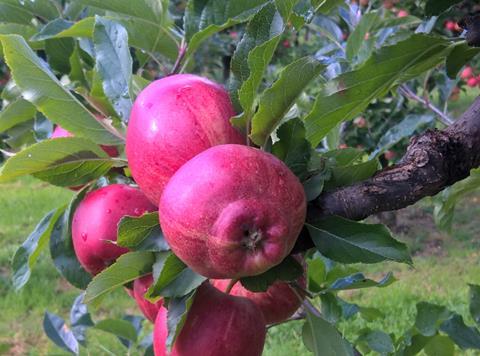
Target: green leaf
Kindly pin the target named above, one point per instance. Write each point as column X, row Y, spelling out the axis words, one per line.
column 316, row 274
column 177, row 315
column 348, row 241
column 118, row 327
column 440, row 346
column 27, row 254
column 370, row 314
column 60, row 28
column 114, row 64
column 276, row 101
column 40, row 87
column 350, row 174
column 345, row 97
column 61, row 247
column 357, row 38
column 205, row 18
column 405, row 129
column 253, row 54
column 377, row 341
column 288, row 270
column 52, row 28
column 474, row 294
column 322, row 338
column 359, row 281
column 26, row 31
column 331, row 309
column 436, row 7
column 141, row 233
column 58, row 54
column 127, row 268
column 23, row 12
column 15, row 113
column 57, row 331
column 172, row 277
column 461, row 54
column 65, row 162
column 292, row 147
column 325, row 6
column 285, row 8
column 429, row 317
column 466, row 337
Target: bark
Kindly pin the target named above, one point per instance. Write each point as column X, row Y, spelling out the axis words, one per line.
column 433, row 161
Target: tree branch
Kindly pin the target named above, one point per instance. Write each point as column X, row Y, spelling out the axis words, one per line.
column 433, row 161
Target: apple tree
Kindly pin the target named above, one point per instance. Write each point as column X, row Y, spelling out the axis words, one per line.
column 225, row 154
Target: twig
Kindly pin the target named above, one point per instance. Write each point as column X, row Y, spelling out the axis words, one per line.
column 7, row 153
column 408, row 93
column 300, row 316
column 182, row 51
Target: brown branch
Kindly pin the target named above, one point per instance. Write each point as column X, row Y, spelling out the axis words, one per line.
column 433, row 161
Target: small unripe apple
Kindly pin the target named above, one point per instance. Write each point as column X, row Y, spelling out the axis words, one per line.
column 232, row 211
column 472, row 82
column 402, row 13
column 343, row 146
column 172, row 120
column 390, row 155
column 360, row 122
column 388, row 4
column 217, row 324
column 94, row 225
column 140, row 287
column 467, row 73
column 286, row 44
column 277, row 303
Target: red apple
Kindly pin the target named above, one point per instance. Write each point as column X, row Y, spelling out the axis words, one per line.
column 217, row 324
column 467, row 73
column 390, row 155
column 173, row 120
column 95, row 221
column 402, row 13
column 61, row 132
column 472, row 82
column 232, row 211
column 277, row 304
column 140, row 287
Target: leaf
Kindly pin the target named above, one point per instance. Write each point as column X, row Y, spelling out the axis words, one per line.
column 331, row 309
column 474, row 296
column 370, row 314
column 59, row 333
column 350, row 174
column 127, row 268
column 405, row 129
column 80, row 319
column 436, row 7
column 65, row 162
column 15, row 113
column 429, row 317
column 322, row 338
column 61, row 247
column 325, row 6
column 137, row 323
column 357, row 38
column 377, row 341
column 58, row 54
column 288, row 270
column 440, row 346
column 359, row 281
column 40, row 87
column 345, row 97
column 460, row 55
column 285, row 8
column 26, row 31
column 316, row 274
column 348, row 241
column 252, row 56
column 114, row 64
column 292, row 147
column 177, row 315
column 23, row 12
column 466, row 337
column 141, row 233
column 118, row 327
column 172, row 278
column 52, row 28
column 277, row 100
column 205, row 18
column 27, row 254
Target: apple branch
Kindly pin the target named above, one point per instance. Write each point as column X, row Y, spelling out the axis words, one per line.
column 434, row 160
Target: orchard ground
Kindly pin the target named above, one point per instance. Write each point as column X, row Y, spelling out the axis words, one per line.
column 444, row 265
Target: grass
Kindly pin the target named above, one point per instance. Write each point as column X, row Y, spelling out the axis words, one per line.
column 440, row 276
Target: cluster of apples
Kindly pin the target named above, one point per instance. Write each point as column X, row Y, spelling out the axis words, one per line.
column 470, row 77
column 227, row 210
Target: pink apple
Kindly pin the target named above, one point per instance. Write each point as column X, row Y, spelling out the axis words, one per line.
column 173, row 120
column 140, row 287
column 94, row 225
column 232, row 211
column 472, row 82
column 402, row 13
column 217, row 324
column 467, row 73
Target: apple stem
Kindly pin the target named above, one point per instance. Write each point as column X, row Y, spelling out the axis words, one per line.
column 182, row 51
column 230, row 285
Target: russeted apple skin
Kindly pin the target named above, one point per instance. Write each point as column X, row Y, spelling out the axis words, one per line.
column 61, row 132
column 217, row 324
column 140, row 287
column 95, row 223
column 278, row 303
column 232, row 211
column 172, row 120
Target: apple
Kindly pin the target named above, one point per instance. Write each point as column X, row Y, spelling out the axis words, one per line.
column 172, row 120
column 360, row 122
column 402, row 13
column 466, row 73
column 232, row 211
column 390, row 155
column 140, row 287
column 94, row 225
column 61, row 132
column 278, row 303
column 217, row 324
column 472, row 82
